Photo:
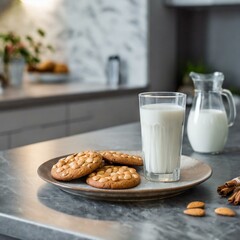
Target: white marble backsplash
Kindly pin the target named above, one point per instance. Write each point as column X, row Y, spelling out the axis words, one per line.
column 85, row 32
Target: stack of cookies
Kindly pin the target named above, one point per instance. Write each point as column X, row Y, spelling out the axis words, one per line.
column 103, row 169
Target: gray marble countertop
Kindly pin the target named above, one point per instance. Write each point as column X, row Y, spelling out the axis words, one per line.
column 33, row 209
column 36, row 93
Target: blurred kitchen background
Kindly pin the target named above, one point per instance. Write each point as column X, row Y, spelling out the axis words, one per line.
column 155, row 43
column 85, row 33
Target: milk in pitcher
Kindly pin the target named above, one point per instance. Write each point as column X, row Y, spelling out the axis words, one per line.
column 207, row 130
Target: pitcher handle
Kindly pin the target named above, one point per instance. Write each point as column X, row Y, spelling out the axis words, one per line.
column 232, row 106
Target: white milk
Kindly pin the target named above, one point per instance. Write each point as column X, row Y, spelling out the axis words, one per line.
column 207, row 130
column 161, row 126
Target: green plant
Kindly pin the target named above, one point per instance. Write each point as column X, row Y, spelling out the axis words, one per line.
column 192, row 67
column 14, row 46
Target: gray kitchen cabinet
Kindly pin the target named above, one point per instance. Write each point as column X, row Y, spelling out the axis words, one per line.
column 23, row 126
column 11, row 120
column 37, row 134
column 96, row 114
column 4, row 141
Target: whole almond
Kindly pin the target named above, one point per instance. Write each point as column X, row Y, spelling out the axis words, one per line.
column 224, row 211
column 196, row 212
column 196, row 204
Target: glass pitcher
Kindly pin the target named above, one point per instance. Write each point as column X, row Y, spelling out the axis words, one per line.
column 208, row 121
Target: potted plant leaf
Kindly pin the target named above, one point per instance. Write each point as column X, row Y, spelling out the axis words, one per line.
column 16, row 52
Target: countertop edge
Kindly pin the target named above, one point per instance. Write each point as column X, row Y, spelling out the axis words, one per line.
column 31, row 101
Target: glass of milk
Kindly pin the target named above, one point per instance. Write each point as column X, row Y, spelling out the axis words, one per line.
column 162, row 117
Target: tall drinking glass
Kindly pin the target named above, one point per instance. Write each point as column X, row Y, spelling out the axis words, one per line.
column 162, row 116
